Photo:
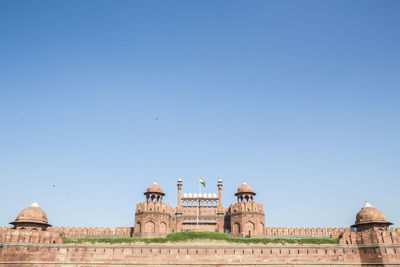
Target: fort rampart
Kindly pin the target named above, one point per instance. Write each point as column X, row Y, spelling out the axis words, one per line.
column 80, row 232
column 29, row 248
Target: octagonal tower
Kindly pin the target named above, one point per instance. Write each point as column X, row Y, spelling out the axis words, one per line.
column 152, row 217
column 246, row 217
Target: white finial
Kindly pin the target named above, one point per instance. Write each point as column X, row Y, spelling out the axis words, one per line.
column 155, row 183
column 35, row 204
column 244, row 183
column 367, row 205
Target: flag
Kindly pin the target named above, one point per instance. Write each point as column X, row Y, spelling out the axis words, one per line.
column 202, row 182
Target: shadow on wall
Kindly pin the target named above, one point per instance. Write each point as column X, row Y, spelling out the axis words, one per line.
column 367, row 254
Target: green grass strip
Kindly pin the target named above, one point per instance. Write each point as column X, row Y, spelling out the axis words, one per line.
column 190, row 236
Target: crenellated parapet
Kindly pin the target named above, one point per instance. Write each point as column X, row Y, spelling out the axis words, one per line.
column 9, row 235
column 391, row 236
column 246, row 207
column 92, row 232
column 281, row 232
column 154, row 207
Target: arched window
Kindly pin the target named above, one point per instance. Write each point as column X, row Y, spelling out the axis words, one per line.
column 261, row 225
column 249, row 228
column 236, row 228
column 163, row 227
column 150, row 227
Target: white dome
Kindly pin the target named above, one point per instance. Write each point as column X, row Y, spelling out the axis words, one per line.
column 195, row 195
column 184, row 195
column 214, row 195
column 209, row 195
column 190, row 195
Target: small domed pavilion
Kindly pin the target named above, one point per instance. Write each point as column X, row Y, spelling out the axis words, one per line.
column 245, row 193
column 370, row 218
column 154, row 193
column 32, row 218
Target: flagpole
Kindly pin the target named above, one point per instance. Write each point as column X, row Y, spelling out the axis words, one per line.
column 197, row 219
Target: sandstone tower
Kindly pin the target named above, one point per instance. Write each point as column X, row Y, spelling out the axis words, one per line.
column 246, row 217
column 152, row 217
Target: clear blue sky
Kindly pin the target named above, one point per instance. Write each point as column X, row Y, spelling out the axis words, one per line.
column 300, row 99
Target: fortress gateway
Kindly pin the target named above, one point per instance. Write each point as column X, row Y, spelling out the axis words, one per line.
column 32, row 241
column 199, row 212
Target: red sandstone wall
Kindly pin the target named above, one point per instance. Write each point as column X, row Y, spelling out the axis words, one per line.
column 78, row 232
column 200, row 254
column 354, row 249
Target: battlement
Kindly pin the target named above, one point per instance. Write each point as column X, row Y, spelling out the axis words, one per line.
column 246, row 207
column 279, row 232
column 96, row 232
column 9, row 235
column 391, row 236
column 154, row 207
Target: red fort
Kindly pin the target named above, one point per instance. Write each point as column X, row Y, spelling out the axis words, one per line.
column 32, row 241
